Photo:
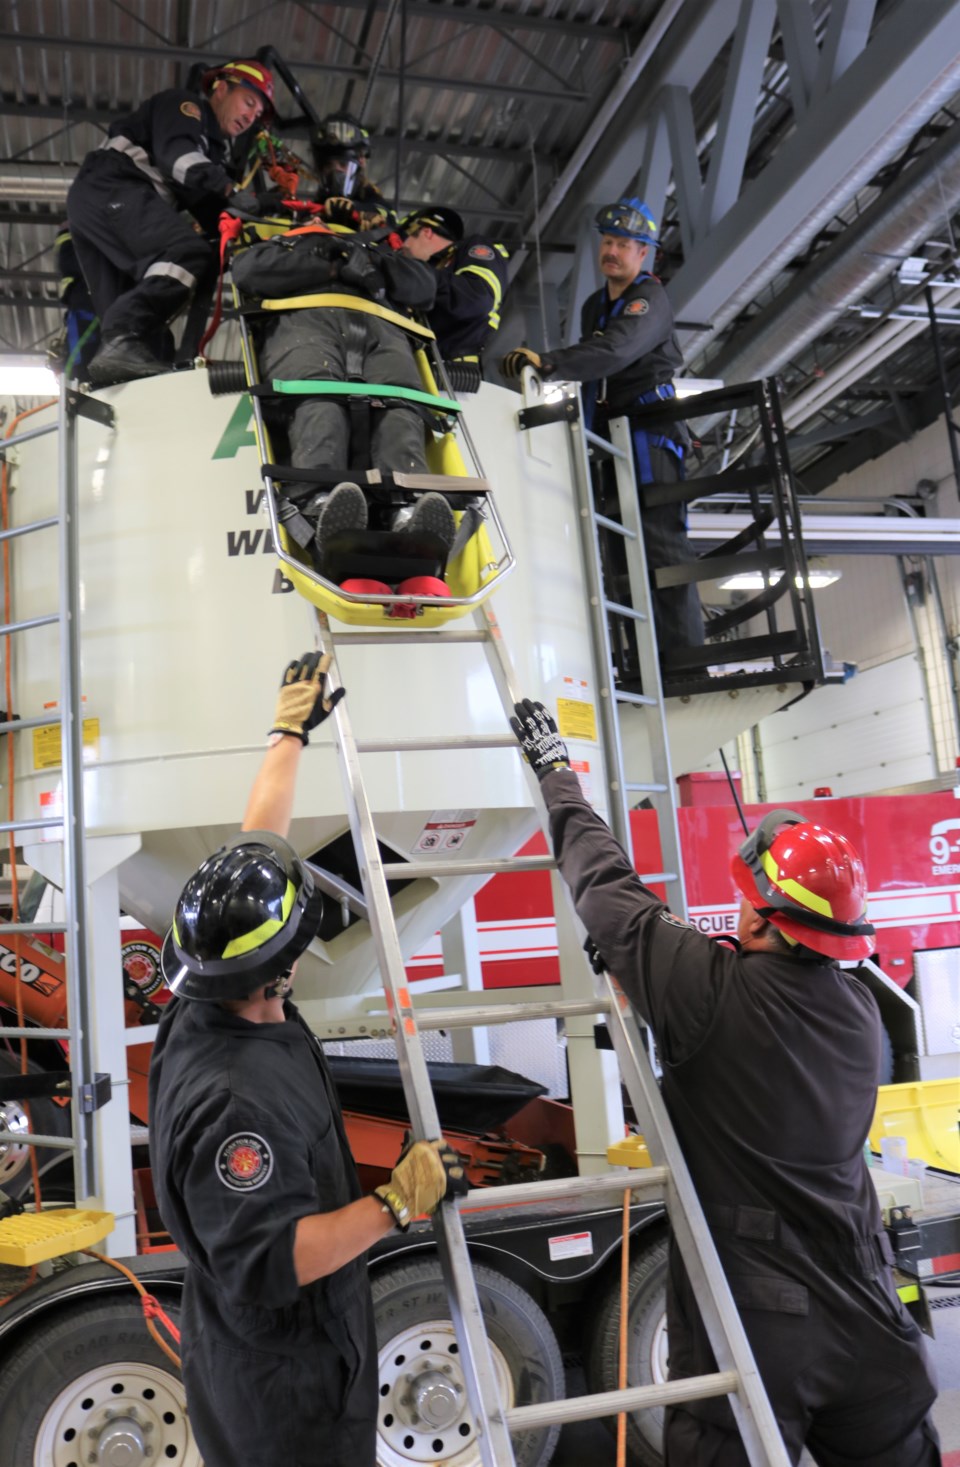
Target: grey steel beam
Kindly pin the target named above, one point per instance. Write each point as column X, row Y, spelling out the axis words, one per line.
column 731, row 144
column 186, row 57
column 908, row 70
column 500, row 20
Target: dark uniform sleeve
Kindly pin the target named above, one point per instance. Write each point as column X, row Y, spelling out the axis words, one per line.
column 471, row 290
column 246, row 1182
column 627, row 337
column 178, row 147
column 670, row 972
column 409, row 282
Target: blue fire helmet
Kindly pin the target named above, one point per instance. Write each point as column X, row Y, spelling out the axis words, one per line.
column 630, row 218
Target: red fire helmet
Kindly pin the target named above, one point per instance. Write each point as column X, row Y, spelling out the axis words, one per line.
column 251, row 74
column 809, row 882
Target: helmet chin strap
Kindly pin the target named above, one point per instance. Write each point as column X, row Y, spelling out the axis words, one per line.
column 281, row 986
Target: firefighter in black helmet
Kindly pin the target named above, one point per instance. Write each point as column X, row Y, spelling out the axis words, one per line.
column 341, row 152
column 130, row 210
column 471, row 280
column 252, row 1170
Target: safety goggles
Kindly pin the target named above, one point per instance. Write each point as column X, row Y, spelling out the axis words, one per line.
column 624, row 219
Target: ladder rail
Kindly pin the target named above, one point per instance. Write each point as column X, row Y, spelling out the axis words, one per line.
column 479, row 1373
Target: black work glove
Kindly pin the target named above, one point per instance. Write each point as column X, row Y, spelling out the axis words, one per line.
column 245, row 201
column 339, row 210
column 541, row 744
column 515, row 361
column 301, row 704
column 594, row 957
column 360, row 269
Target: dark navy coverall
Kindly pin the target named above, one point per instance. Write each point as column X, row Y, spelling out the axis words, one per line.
column 246, row 1137
column 627, row 356
column 770, row 1069
column 141, row 256
column 471, row 280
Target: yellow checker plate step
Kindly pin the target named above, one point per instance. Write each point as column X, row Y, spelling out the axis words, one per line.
column 35, row 1236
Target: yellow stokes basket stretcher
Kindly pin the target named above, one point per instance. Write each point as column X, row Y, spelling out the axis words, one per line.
column 475, row 566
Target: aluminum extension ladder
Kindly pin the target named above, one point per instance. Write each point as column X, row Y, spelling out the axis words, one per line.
column 88, row 1089
column 737, row 1376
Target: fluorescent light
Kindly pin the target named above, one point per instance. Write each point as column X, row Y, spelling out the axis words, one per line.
column 817, row 577
column 27, row 377
column 689, row 386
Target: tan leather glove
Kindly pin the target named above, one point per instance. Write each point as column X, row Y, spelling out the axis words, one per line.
column 427, row 1172
column 515, row 361
column 302, row 705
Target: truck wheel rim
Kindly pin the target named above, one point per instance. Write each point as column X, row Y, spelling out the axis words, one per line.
column 12, row 1155
column 660, row 1353
column 128, row 1414
column 424, row 1415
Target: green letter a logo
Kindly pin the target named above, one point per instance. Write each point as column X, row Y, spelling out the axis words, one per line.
column 238, row 432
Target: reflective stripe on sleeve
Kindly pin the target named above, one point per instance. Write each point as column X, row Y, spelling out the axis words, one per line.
column 489, row 278
column 175, row 272
column 185, row 162
column 141, row 158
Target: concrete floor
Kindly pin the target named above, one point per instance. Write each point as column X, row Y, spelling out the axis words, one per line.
column 589, row 1444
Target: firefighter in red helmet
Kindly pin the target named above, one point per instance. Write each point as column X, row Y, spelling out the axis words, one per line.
column 771, row 1057
column 142, row 204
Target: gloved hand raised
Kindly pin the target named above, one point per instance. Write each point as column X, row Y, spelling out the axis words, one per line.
column 427, row 1172
column 515, row 361
column 540, row 742
column 301, row 705
column 338, row 210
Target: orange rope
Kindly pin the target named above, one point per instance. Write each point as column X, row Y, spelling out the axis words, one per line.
column 624, row 1303
column 152, row 1308
column 11, row 763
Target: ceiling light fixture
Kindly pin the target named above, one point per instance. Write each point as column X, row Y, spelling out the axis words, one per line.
column 27, row 377
column 817, row 577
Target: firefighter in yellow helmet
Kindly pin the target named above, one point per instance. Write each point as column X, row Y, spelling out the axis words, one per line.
column 132, row 204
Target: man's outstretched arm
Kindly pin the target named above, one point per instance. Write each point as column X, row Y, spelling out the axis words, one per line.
column 302, row 705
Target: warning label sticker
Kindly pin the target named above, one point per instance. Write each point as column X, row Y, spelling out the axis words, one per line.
column 570, row 1245
column 446, row 830
column 576, row 719
column 47, row 753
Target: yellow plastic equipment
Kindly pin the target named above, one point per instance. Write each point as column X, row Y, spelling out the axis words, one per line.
column 631, row 1151
column 471, row 576
column 33, row 1237
column 927, row 1113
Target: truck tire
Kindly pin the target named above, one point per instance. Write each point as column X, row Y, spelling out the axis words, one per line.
column 16, row 1173
column 414, row 1327
column 65, row 1376
column 646, row 1348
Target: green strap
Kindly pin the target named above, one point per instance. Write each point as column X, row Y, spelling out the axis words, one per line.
column 366, row 389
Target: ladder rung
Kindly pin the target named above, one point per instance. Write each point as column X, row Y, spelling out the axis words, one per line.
column 33, row 927
column 647, row 789
column 658, row 877
column 628, row 611
column 24, row 1138
column 376, row 639
column 8, row 1031
column 16, row 724
column 29, row 529
column 462, row 741
column 409, row 870
column 640, row 700
column 615, row 526
column 611, row 1403
column 604, row 444
column 26, row 626
column 638, row 1179
column 47, row 824
column 473, row 1015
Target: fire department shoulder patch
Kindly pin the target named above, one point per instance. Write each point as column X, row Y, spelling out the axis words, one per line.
column 674, row 920
column 190, row 109
column 637, row 308
column 244, row 1162
column 480, row 252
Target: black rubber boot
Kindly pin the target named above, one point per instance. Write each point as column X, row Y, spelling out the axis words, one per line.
column 122, row 359
column 345, row 509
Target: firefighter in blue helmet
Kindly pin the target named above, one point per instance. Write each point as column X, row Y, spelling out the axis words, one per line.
column 626, row 357
column 253, row 1173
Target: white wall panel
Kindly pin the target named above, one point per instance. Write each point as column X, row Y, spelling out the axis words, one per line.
column 863, row 616
column 857, row 737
